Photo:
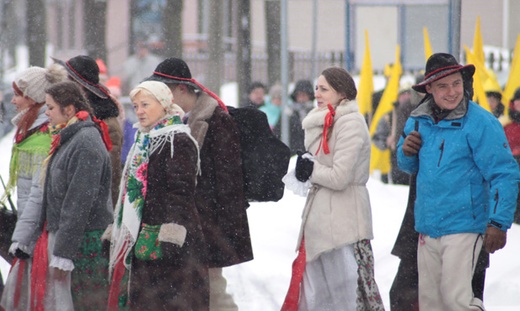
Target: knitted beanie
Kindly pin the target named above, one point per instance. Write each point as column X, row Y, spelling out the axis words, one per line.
column 33, row 81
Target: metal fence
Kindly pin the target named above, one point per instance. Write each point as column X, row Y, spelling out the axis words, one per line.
column 300, row 65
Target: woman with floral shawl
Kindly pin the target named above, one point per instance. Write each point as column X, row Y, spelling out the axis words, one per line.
column 158, row 255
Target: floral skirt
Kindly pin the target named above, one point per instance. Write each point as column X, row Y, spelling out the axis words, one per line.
column 89, row 279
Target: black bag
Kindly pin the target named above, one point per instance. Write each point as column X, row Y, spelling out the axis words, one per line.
column 265, row 159
column 8, row 218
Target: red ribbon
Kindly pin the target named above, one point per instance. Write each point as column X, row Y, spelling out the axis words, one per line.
column 39, row 271
column 117, row 276
column 19, row 281
column 298, row 267
column 104, row 132
column 210, row 93
column 82, row 115
column 329, row 120
column 55, row 143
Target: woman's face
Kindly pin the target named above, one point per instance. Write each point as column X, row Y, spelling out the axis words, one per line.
column 148, row 110
column 325, row 94
column 21, row 102
column 54, row 112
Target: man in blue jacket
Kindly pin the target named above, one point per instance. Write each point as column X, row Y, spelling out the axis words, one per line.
column 467, row 184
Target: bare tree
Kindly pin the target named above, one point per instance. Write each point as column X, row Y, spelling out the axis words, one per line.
column 243, row 48
column 36, row 32
column 215, row 46
column 272, row 22
column 95, row 28
column 172, row 28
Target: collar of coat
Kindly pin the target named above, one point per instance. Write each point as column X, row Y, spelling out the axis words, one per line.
column 314, row 121
column 425, row 109
column 199, row 116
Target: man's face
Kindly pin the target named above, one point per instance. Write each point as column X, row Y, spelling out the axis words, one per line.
column 493, row 102
column 257, row 96
column 448, row 91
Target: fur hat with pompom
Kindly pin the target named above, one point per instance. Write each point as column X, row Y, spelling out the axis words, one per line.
column 33, row 81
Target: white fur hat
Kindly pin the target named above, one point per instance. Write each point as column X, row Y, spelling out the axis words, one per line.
column 33, row 81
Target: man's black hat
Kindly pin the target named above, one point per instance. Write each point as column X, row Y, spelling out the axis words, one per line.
column 440, row 65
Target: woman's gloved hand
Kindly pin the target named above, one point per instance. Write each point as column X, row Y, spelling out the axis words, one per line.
column 304, row 167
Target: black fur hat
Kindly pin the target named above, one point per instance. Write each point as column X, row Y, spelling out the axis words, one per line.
column 172, row 71
column 85, row 71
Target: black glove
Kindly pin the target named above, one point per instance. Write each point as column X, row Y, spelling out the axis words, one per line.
column 21, row 254
column 304, row 168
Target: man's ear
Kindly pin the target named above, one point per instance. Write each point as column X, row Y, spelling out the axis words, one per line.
column 182, row 87
column 428, row 88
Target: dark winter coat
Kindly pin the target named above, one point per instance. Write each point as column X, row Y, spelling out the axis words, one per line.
column 220, row 190
column 116, row 136
column 107, row 111
column 179, row 281
column 77, row 188
column 296, row 114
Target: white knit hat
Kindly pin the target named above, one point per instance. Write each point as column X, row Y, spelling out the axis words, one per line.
column 33, row 81
column 162, row 93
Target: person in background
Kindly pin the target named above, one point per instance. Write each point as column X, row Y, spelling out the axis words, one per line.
column 128, row 127
column 219, row 194
column 462, row 161
column 255, row 95
column 302, row 101
column 389, row 130
column 163, row 163
column 494, row 99
column 138, row 66
column 68, row 257
column 273, row 105
column 512, row 130
column 32, row 143
column 335, row 260
column 85, row 71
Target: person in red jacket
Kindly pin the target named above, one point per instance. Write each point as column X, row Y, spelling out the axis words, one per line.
column 512, row 131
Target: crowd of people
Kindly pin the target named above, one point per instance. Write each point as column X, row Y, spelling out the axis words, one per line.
column 143, row 211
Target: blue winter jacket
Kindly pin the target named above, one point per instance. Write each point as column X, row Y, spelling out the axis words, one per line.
column 466, row 175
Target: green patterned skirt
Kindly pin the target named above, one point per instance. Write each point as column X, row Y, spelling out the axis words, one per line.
column 89, row 280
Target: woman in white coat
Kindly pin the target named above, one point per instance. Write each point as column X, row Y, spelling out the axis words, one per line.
column 334, row 243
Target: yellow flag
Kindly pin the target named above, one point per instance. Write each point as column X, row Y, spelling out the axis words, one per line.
column 390, row 93
column 380, row 160
column 478, row 45
column 479, row 94
column 513, row 82
column 366, row 82
column 427, row 46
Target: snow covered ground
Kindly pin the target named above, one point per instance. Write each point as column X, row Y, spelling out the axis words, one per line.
column 260, row 285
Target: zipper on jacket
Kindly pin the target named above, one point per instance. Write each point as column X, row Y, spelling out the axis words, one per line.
column 441, row 148
column 496, row 202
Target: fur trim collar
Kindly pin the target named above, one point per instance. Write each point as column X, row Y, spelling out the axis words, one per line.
column 314, row 121
column 200, row 114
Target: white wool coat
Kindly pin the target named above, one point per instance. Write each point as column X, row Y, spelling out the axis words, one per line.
column 337, row 211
